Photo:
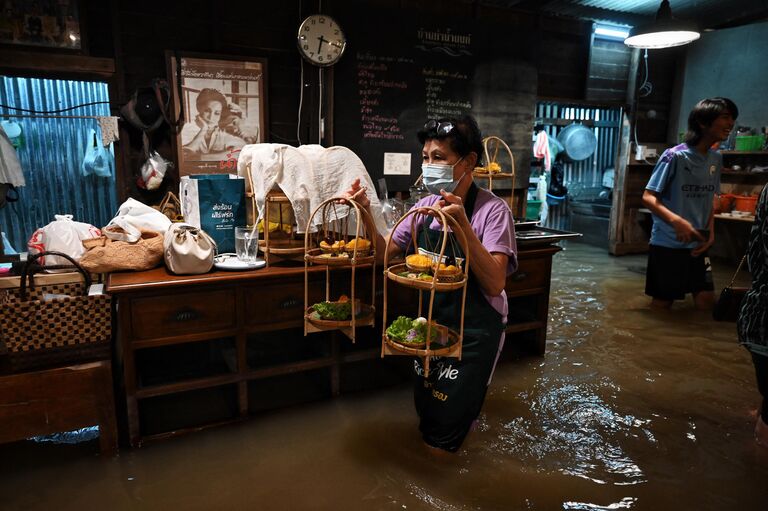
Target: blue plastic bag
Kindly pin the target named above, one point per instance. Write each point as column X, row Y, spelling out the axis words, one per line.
column 98, row 159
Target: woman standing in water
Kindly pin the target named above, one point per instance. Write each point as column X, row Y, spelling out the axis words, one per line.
column 753, row 316
column 449, row 401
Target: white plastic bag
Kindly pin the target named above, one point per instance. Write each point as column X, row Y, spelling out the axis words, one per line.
column 134, row 216
column 62, row 235
column 153, row 171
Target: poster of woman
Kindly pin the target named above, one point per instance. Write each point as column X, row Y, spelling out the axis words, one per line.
column 225, row 108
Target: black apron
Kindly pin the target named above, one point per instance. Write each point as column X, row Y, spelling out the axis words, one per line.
column 450, row 399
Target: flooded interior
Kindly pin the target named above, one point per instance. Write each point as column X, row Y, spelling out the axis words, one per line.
column 629, row 409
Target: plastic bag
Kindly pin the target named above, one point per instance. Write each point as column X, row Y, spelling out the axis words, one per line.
column 133, row 217
column 62, row 235
column 153, row 172
column 98, row 159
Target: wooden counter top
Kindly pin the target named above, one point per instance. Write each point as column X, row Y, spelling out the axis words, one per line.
column 123, row 282
column 161, row 278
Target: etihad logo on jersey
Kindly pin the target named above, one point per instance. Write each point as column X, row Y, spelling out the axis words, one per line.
column 698, row 188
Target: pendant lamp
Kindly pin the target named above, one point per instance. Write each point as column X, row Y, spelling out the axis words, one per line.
column 665, row 32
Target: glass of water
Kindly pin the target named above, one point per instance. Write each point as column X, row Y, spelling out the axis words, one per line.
column 246, row 243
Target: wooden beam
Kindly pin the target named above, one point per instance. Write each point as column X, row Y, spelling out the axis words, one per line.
column 56, row 63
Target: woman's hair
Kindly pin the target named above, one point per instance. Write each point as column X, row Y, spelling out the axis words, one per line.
column 207, row 95
column 704, row 114
column 464, row 137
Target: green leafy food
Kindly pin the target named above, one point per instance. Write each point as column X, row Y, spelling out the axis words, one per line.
column 405, row 330
column 335, row 311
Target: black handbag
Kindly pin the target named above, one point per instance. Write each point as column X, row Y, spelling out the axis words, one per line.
column 729, row 302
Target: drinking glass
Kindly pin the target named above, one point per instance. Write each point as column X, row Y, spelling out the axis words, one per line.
column 246, row 243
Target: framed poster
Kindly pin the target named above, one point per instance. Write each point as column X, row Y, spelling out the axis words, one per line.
column 48, row 23
column 225, row 108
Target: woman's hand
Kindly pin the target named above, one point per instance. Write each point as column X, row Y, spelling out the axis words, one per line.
column 453, row 206
column 357, row 193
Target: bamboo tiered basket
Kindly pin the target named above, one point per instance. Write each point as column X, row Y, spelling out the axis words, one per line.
column 334, row 229
column 276, row 245
column 437, row 284
column 492, row 160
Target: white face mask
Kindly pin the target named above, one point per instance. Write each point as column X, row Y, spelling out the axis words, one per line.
column 437, row 176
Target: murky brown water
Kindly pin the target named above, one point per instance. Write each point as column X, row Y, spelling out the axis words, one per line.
column 629, row 409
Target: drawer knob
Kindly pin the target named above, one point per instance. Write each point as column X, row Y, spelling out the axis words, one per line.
column 517, row 277
column 186, row 315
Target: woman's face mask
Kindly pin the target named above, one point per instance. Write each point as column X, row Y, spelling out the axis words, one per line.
column 439, row 176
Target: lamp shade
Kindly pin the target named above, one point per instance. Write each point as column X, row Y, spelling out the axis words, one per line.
column 665, row 32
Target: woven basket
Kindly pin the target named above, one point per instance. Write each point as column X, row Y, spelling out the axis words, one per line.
column 50, row 325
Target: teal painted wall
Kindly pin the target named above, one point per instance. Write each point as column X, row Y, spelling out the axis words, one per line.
column 731, row 63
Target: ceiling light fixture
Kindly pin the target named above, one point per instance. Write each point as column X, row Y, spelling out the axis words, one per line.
column 665, row 32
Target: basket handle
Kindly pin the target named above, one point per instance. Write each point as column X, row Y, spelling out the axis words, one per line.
column 30, row 259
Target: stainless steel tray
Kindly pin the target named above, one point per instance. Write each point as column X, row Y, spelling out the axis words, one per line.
column 525, row 223
column 536, row 235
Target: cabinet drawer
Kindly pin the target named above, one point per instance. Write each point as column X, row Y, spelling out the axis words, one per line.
column 183, row 313
column 280, row 302
column 531, row 273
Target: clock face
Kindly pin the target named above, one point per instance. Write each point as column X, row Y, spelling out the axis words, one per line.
column 321, row 40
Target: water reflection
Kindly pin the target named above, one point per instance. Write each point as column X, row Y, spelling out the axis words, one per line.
column 629, row 409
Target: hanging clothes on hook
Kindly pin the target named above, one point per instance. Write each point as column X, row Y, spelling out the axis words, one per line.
column 11, row 174
column 109, row 131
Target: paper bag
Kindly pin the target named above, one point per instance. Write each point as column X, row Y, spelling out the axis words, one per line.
column 214, row 203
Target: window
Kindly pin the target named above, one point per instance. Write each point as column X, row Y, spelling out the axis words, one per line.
column 51, row 150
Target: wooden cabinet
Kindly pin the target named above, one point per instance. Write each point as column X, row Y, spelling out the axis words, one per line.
column 528, row 295
column 227, row 344
column 628, row 230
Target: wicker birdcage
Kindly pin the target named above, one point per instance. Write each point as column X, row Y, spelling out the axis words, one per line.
column 493, row 169
column 340, row 242
column 435, row 279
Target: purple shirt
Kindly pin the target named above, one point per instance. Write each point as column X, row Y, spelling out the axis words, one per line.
column 492, row 223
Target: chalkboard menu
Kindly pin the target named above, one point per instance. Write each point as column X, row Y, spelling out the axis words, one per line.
column 398, row 73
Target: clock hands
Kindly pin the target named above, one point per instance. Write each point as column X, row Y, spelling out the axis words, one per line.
column 320, row 44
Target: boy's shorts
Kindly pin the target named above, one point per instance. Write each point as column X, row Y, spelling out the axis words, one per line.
column 673, row 272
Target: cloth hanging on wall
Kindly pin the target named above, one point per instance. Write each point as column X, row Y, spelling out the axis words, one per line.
column 109, row 131
column 541, row 149
column 10, row 168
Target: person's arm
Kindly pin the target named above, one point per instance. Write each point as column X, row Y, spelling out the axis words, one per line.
column 490, row 268
column 684, row 231
column 660, row 179
column 703, row 247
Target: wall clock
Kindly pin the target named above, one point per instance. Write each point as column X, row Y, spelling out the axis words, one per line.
column 321, row 41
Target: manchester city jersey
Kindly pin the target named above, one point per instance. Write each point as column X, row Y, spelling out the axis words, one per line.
column 686, row 182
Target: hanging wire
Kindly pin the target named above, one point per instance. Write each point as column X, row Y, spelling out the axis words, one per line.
column 646, row 87
column 301, row 90
column 301, row 100
column 320, row 108
column 54, row 111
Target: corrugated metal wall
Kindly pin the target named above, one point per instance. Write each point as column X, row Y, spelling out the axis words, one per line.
column 605, row 123
column 51, row 155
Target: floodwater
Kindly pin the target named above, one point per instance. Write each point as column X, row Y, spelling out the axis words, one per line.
column 629, row 409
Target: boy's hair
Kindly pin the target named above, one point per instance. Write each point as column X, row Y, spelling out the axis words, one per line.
column 464, row 136
column 704, row 114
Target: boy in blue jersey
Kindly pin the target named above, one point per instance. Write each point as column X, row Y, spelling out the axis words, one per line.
column 680, row 195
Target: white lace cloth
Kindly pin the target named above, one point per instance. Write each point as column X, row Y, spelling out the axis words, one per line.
column 308, row 175
column 335, row 169
column 278, row 165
